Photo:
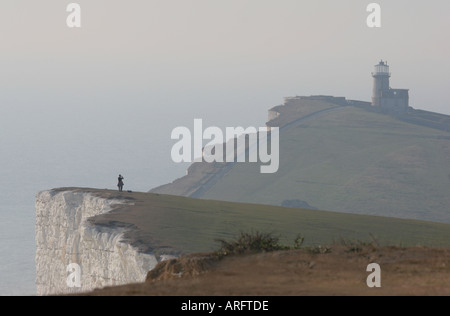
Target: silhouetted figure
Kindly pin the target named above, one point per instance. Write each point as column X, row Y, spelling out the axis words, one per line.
column 120, row 183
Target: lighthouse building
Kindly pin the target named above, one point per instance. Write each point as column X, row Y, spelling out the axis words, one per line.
column 392, row 100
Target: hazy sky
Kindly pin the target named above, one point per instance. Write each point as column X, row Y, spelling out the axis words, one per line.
column 212, row 58
column 78, row 106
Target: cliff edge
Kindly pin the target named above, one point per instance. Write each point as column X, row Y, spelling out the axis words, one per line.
column 64, row 236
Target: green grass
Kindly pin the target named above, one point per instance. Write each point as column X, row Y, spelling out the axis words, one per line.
column 352, row 161
column 194, row 225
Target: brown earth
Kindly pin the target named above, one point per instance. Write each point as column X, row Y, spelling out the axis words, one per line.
column 342, row 271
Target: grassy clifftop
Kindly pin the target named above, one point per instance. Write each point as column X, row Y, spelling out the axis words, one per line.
column 169, row 223
column 346, row 159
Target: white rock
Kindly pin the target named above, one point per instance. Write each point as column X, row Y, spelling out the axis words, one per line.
column 64, row 237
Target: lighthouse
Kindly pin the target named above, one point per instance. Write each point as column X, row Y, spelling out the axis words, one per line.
column 391, row 100
column 381, row 77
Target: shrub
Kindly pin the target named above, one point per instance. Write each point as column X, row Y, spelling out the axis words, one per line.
column 250, row 243
column 318, row 250
column 298, row 242
column 255, row 242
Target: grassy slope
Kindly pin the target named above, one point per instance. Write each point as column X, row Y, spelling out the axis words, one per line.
column 405, row 271
column 192, row 225
column 353, row 161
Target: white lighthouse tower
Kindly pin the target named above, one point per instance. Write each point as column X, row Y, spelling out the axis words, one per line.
column 381, row 77
column 392, row 100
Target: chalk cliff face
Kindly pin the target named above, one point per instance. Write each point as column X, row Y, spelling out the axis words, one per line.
column 65, row 237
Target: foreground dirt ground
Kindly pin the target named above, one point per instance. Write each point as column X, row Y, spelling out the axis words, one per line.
column 342, row 271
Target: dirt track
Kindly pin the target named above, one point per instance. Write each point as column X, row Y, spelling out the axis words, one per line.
column 412, row 271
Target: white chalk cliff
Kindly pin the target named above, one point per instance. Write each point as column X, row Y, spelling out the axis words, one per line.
column 64, row 237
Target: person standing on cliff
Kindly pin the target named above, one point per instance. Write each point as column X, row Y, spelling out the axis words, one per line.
column 120, row 183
